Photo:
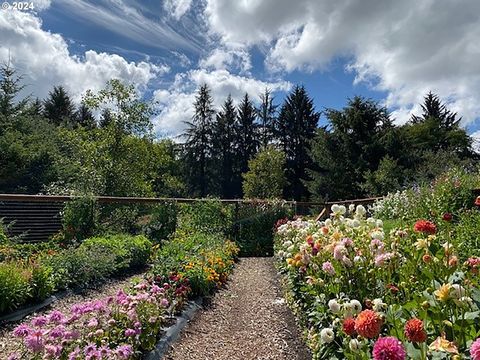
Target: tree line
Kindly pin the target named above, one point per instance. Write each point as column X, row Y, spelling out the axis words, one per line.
column 106, row 146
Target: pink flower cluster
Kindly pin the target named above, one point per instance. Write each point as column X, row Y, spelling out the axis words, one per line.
column 93, row 330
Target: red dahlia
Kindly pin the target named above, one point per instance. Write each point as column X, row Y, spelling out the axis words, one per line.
column 349, row 326
column 425, row 226
column 414, row 331
column 447, row 217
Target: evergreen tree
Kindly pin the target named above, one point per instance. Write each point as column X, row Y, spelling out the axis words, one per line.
column 58, row 107
column 296, row 126
column 36, row 108
column 224, row 148
column 198, row 145
column 10, row 87
column 361, row 137
column 438, row 128
column 246, row 133
column 105, row 118
column 266, row 113
column 84, row 117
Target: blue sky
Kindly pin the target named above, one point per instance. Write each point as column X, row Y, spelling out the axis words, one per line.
column 391, row 51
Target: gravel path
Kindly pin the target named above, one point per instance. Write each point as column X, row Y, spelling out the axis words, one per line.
column 247, row 320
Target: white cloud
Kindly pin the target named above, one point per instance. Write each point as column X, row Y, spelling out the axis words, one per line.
column 177, row 8
column 405, row 48
column 223, row 58
column 176, row 103
column 44, row 59
column 476, row 141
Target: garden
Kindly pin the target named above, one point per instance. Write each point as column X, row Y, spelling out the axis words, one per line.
column 395, row 280
column 171, row 252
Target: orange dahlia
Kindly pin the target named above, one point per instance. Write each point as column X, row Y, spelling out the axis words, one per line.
column 368, row 324
column 349, row 326
column 414, row 331
column 425, row 226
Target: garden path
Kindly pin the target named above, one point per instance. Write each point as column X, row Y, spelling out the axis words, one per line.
column 247, row 320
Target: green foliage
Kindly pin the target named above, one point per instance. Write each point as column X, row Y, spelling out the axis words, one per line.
column 296, row 126
column 160, row 223
column 209, row 216
column 58, row 107
column 467, row 234
column 253, row 231
column 14, row 286
column 266, row 176
column 80, row 218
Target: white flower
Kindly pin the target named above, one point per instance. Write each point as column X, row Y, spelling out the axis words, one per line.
column 371, row 221
column 360, row 211
column 379, row 223
column 354, row 345
column 334, row 306
column 327, row 335
column 335, row 209
column 377, row 234
column 356, row 306
column 291, row 248
column 355, row 223
column 348, row 309
column 351, row 208
column 328, row 222
column 287, row 243
column 378, row 305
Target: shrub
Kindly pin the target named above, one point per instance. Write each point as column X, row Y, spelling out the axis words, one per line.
column 466, row 233
column 14, row 285
column 160, row 223
column 253, row 232
column 80, row 218
column 209, row 216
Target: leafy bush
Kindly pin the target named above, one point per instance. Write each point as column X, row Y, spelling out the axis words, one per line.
column 253, row 232
column 14, row 286
column 209, row 216
column 466, row 233
column 160, row 223
column 80, row 218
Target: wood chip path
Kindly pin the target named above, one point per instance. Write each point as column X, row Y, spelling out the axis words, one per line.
column 247, row 320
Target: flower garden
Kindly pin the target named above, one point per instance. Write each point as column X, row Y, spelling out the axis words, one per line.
column 402, row 283
column 192, row 262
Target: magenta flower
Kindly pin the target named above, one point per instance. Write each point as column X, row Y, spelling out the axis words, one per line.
column 388, row 348
column 130, row 332
column 39, row 321
column 164, row 302
column 475, row 350
column 56, row 317
column 22, row 330
column 90, row 349
column 53, row 351
column 75, row 354
column 14, row 356
column 92, row 323
column 57, row 332
column 34, row 342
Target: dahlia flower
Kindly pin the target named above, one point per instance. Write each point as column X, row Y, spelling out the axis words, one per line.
column 348, row 326
column 328, row 268
column 414, row 331
column 327, row 335
column 388, row 348
column 425, row 226
column 475, row 350
column 368, row 324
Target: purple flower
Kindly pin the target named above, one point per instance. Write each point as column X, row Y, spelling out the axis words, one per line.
column 90, row 349
column 56, row 317
column 57, row 332
column 347, row 242
column 124, row 351
column 53, row 351
column 164, row 302
column 130, row 332
column 71, row 335
column 75, row 354
column 105, row 352
column 92, row 323
column 14, row 356
column 22, row 330
column 34, row 343
column 39, row 321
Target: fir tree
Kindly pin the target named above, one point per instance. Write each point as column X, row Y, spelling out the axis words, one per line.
column 246, row 133
column 266, row 113
column 58, row 107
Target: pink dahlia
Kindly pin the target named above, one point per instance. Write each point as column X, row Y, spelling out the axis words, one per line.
column 388, row 348
column 328, row 268
column 475, row 350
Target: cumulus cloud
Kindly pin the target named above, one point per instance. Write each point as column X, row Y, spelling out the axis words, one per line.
column 177, row 8
column 176, row 103
column 223, row 58
column 405, row 48
column 44, row 59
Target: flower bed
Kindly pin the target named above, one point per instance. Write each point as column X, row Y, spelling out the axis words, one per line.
column 31, row 274
column 129, row 324
column 362, row 293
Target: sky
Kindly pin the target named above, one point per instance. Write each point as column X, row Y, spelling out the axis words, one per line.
column 391, row 51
